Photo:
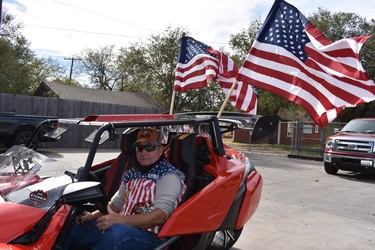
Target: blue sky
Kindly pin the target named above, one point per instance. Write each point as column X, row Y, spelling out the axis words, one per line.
column 63, row 28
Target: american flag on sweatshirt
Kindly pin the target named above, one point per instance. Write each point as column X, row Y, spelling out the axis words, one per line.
column 140, row 189
column 198, row 64
column 293, row 59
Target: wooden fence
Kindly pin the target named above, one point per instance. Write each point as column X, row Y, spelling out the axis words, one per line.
column 35, row 105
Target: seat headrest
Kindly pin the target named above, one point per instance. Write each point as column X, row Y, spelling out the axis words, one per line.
column 182, row 149
column 128, row 138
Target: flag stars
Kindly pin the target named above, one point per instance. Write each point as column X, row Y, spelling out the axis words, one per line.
column 287, row 23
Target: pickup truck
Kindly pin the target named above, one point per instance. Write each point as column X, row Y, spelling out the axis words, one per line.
column 352, row 148
column 16, row 129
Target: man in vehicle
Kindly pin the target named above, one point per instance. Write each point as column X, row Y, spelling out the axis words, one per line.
column 148, row 194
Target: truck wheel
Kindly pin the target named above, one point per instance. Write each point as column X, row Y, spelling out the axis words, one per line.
column 23, row 136
column 330, row 168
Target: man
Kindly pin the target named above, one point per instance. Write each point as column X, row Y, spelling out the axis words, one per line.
column 148, row 194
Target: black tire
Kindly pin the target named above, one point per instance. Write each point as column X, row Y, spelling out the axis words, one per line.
column 23, row 136
column 223, row 240
column 330, row 168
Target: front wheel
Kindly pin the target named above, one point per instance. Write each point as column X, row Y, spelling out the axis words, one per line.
column 23, row 136
column 330, row 168
column 223, row 240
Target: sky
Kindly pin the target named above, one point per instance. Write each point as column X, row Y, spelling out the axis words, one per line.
column 64, row 28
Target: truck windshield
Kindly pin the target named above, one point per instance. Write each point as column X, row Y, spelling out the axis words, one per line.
column 360, row 126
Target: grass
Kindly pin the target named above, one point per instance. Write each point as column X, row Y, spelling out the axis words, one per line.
column 264, row 146
column 306, row 151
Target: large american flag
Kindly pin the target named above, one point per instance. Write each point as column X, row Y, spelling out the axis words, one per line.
column 293, row 59
column 198, row 64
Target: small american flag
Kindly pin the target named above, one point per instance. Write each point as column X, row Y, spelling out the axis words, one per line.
column 293, row 59
column 198, row 64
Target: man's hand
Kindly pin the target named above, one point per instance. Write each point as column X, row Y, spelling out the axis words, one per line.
column 142, row 221
column 109, row 219
column 85, row 216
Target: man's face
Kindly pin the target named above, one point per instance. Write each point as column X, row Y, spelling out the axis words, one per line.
column 148, row 153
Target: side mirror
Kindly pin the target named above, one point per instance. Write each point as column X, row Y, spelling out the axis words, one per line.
column 79, row 193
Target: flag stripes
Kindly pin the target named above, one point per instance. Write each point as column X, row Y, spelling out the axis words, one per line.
column 293, row 59
column 199, row 64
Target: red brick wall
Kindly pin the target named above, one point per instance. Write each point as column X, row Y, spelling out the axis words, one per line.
column 242, row 136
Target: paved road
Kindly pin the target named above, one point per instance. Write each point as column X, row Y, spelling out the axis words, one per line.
column 302, row 207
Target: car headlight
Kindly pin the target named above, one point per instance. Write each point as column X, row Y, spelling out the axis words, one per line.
column 329, row 144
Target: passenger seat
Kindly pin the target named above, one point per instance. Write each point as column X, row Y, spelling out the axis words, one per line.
column 113, row 177
column 182, row 153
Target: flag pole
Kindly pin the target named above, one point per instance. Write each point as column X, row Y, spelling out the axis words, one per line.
column 227, row 99
column 172, row 102
column 183, row 34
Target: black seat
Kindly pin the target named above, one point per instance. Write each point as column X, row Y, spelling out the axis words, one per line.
column 112, row 178
column 182, row 155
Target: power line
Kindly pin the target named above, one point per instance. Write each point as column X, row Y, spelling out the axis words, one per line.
column 98, row 33
column 112, row 18
column 109, row 17
column 81, row 31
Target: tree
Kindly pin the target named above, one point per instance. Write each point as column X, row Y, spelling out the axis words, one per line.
column 150, row 68
column 16, row 58
column 21, row 71
column 101, row 67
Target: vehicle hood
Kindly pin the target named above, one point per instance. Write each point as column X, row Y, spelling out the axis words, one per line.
column 18, row 218
column 354, row 135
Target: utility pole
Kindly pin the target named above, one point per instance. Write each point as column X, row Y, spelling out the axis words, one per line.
column 71, row 67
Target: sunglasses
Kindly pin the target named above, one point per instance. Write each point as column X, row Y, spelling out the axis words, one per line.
column 148, row 147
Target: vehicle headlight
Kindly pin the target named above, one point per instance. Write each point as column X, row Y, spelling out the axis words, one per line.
column 329, row 144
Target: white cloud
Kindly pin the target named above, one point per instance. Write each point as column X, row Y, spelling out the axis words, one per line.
column 65, row 27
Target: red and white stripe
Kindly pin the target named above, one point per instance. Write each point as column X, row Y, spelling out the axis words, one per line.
column 331, row 79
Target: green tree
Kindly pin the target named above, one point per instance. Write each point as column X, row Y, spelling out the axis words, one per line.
column 16, row 58
column 21, row 71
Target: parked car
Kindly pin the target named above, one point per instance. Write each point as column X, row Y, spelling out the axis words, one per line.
column 352, row 148
column 16, row 129
column 40, row 196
